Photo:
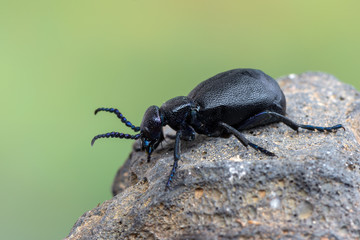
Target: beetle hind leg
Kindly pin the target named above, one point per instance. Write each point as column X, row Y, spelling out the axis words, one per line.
column 244, row 141
column 267, row 117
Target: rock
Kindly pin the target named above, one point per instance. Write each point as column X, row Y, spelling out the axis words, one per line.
column 224, row 191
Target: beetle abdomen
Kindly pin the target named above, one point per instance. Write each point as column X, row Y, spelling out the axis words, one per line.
column 234, row 96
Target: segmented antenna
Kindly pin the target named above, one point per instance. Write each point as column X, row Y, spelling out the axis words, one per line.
column 120, row 116
column 115, row 135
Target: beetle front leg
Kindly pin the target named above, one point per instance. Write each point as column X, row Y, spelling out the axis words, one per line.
column 176, row 159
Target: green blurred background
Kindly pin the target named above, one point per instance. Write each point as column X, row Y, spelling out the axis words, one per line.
column 59, row 60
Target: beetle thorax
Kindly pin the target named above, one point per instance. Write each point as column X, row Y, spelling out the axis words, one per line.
column 177, row 111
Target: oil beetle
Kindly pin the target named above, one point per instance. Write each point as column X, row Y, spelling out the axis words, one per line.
column 225, row 104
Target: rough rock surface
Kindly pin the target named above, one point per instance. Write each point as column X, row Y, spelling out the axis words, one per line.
column 222, row 190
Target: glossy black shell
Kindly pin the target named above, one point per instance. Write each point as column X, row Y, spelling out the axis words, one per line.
column 221, row 106
column 236, row 95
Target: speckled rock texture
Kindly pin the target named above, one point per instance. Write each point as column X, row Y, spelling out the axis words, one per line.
column 309, row 190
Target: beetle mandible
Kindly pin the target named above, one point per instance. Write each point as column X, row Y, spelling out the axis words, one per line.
column 222, row 105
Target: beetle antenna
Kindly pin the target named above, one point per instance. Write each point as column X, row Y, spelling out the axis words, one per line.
column 120, row 116
column 115, row 135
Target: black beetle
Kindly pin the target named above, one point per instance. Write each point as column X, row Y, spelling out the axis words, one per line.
column 225, row 104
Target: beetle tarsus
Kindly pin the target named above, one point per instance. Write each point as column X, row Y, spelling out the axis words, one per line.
column 323, row 129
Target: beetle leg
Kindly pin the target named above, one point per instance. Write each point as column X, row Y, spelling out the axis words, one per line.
column 270, row 117
column 243, row 140
column 170, row 136
column 176, row 159
column 187, row 133
column 265, row 118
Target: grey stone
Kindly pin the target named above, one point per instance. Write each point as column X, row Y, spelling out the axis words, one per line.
column 224, row 191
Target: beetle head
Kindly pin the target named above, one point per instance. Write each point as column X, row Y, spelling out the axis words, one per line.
column 151, row 129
